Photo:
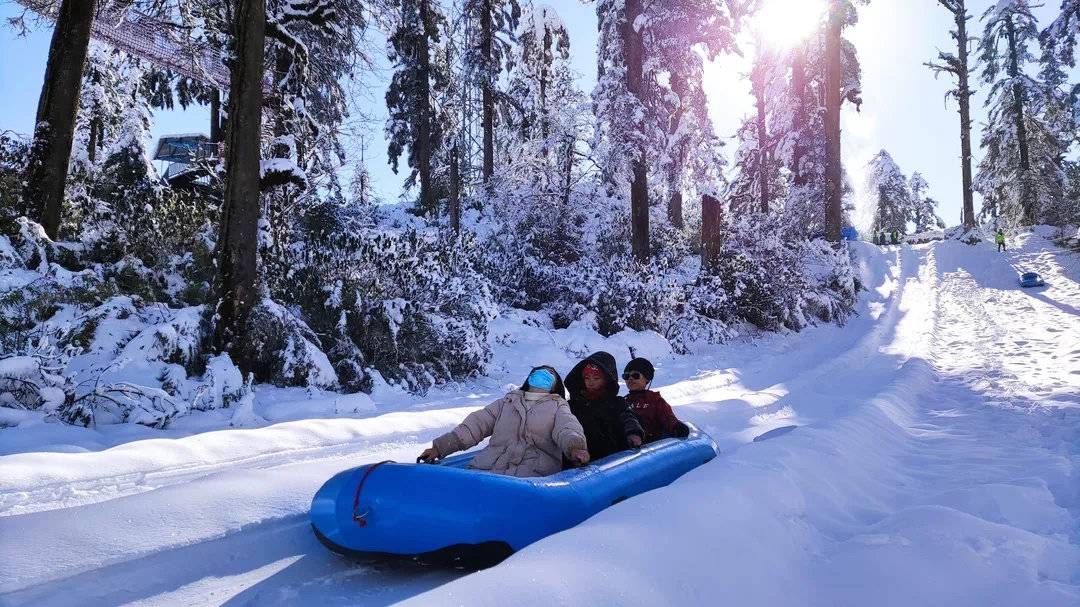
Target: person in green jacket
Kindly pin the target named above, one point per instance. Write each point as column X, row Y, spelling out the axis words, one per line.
column 999, row 238
column 895, row 236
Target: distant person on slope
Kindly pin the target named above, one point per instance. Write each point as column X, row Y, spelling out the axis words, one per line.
column 531, row 430
column 654, row 413
column 610, row 426
column 895, row 236
column 999, row 238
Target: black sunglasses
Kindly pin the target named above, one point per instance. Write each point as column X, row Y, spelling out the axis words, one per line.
column 632, row 375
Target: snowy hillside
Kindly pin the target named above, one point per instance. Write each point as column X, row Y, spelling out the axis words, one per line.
column 928, row 453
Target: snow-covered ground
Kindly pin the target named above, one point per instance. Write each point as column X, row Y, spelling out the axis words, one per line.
column 928, row 453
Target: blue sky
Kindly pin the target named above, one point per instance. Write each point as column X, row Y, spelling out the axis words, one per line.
column 904, row 111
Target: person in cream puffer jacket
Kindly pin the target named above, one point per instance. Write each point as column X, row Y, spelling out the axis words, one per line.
column 531, row 429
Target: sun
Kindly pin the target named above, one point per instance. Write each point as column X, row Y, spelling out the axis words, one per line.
column 782, row 24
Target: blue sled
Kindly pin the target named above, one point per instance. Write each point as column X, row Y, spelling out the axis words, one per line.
column 447, row 514
column 1030, row 279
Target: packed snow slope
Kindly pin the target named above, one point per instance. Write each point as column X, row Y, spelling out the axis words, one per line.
column 928, row 453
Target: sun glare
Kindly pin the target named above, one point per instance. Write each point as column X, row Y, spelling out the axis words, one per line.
column 784, row 23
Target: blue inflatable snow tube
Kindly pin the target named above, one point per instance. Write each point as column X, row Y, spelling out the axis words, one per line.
column 447, row 514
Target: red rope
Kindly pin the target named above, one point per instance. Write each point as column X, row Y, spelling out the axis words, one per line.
column 357, row 516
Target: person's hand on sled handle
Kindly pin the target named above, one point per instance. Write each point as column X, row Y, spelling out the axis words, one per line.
column 579, row 457
column 429, row 456
column 633, row 440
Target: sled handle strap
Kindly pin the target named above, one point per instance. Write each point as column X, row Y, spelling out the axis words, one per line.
column 358, row 517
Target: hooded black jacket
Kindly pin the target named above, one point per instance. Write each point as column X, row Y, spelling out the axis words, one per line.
column 608, row 420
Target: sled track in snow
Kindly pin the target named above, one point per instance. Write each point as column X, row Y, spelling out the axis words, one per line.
column 60, row 494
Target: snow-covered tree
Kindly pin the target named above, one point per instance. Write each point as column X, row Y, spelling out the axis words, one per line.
column 838, row 87
column 542, row 135
column 485, row 60
column 1059, row 38
column 638, row 43
column 419, row 76
column 923, row 207
column 1021, row 168
column 889, row 187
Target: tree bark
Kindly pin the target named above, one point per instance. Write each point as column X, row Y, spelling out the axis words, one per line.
column 568, row 170
column 798, row 86
column 237, row 254
column 758, row 86
column 46, row 173
column 455, row 191
column 94, row 141
column 711, row 214
column 833, row 98
column 675, row 209
column 487, row 94
column 639, row 188
column 1021, row 129
column 424, row 113
column 215, row 116
column 964, row 94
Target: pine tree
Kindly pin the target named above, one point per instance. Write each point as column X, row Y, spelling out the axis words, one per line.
column 797, row 125
column 894, row 198
column 488, row 57
column 540, row 143
column 1060, row 37
column 923, row 208
column 757, row 180
column 1021, row 169
column 958, row 66
column 637, row 41
column 419, row 76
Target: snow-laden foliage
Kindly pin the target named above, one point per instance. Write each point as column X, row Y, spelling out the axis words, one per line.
column 889, row 188
column 71, row 345
column 575, row 264
column 924, row 208
column 1029, row 122
column 405, row 303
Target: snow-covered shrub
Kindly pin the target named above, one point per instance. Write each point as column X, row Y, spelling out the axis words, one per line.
column 284, row 350
column 407, row 303
column 36, row 380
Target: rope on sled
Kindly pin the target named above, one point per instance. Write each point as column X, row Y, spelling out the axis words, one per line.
column 358, row 517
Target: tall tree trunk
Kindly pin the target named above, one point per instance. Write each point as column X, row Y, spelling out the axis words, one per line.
column 634, row 48
column 455, row 191
column 964, row 92
column 488, row 94
column 675, row 209
column 94, row 141
column 675, row 197
column 798, row 86
column 215, row 116
column 833, row 99
column 46, row 172
column 568, row 170
column 237, row 253
column 711, row 214
column 1021, row 129
column 758, row 85
column 424, row 112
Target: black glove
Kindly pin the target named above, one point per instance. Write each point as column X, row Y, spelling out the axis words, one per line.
column 682, row 430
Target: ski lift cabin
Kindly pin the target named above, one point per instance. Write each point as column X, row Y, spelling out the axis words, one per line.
column 190, row 158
